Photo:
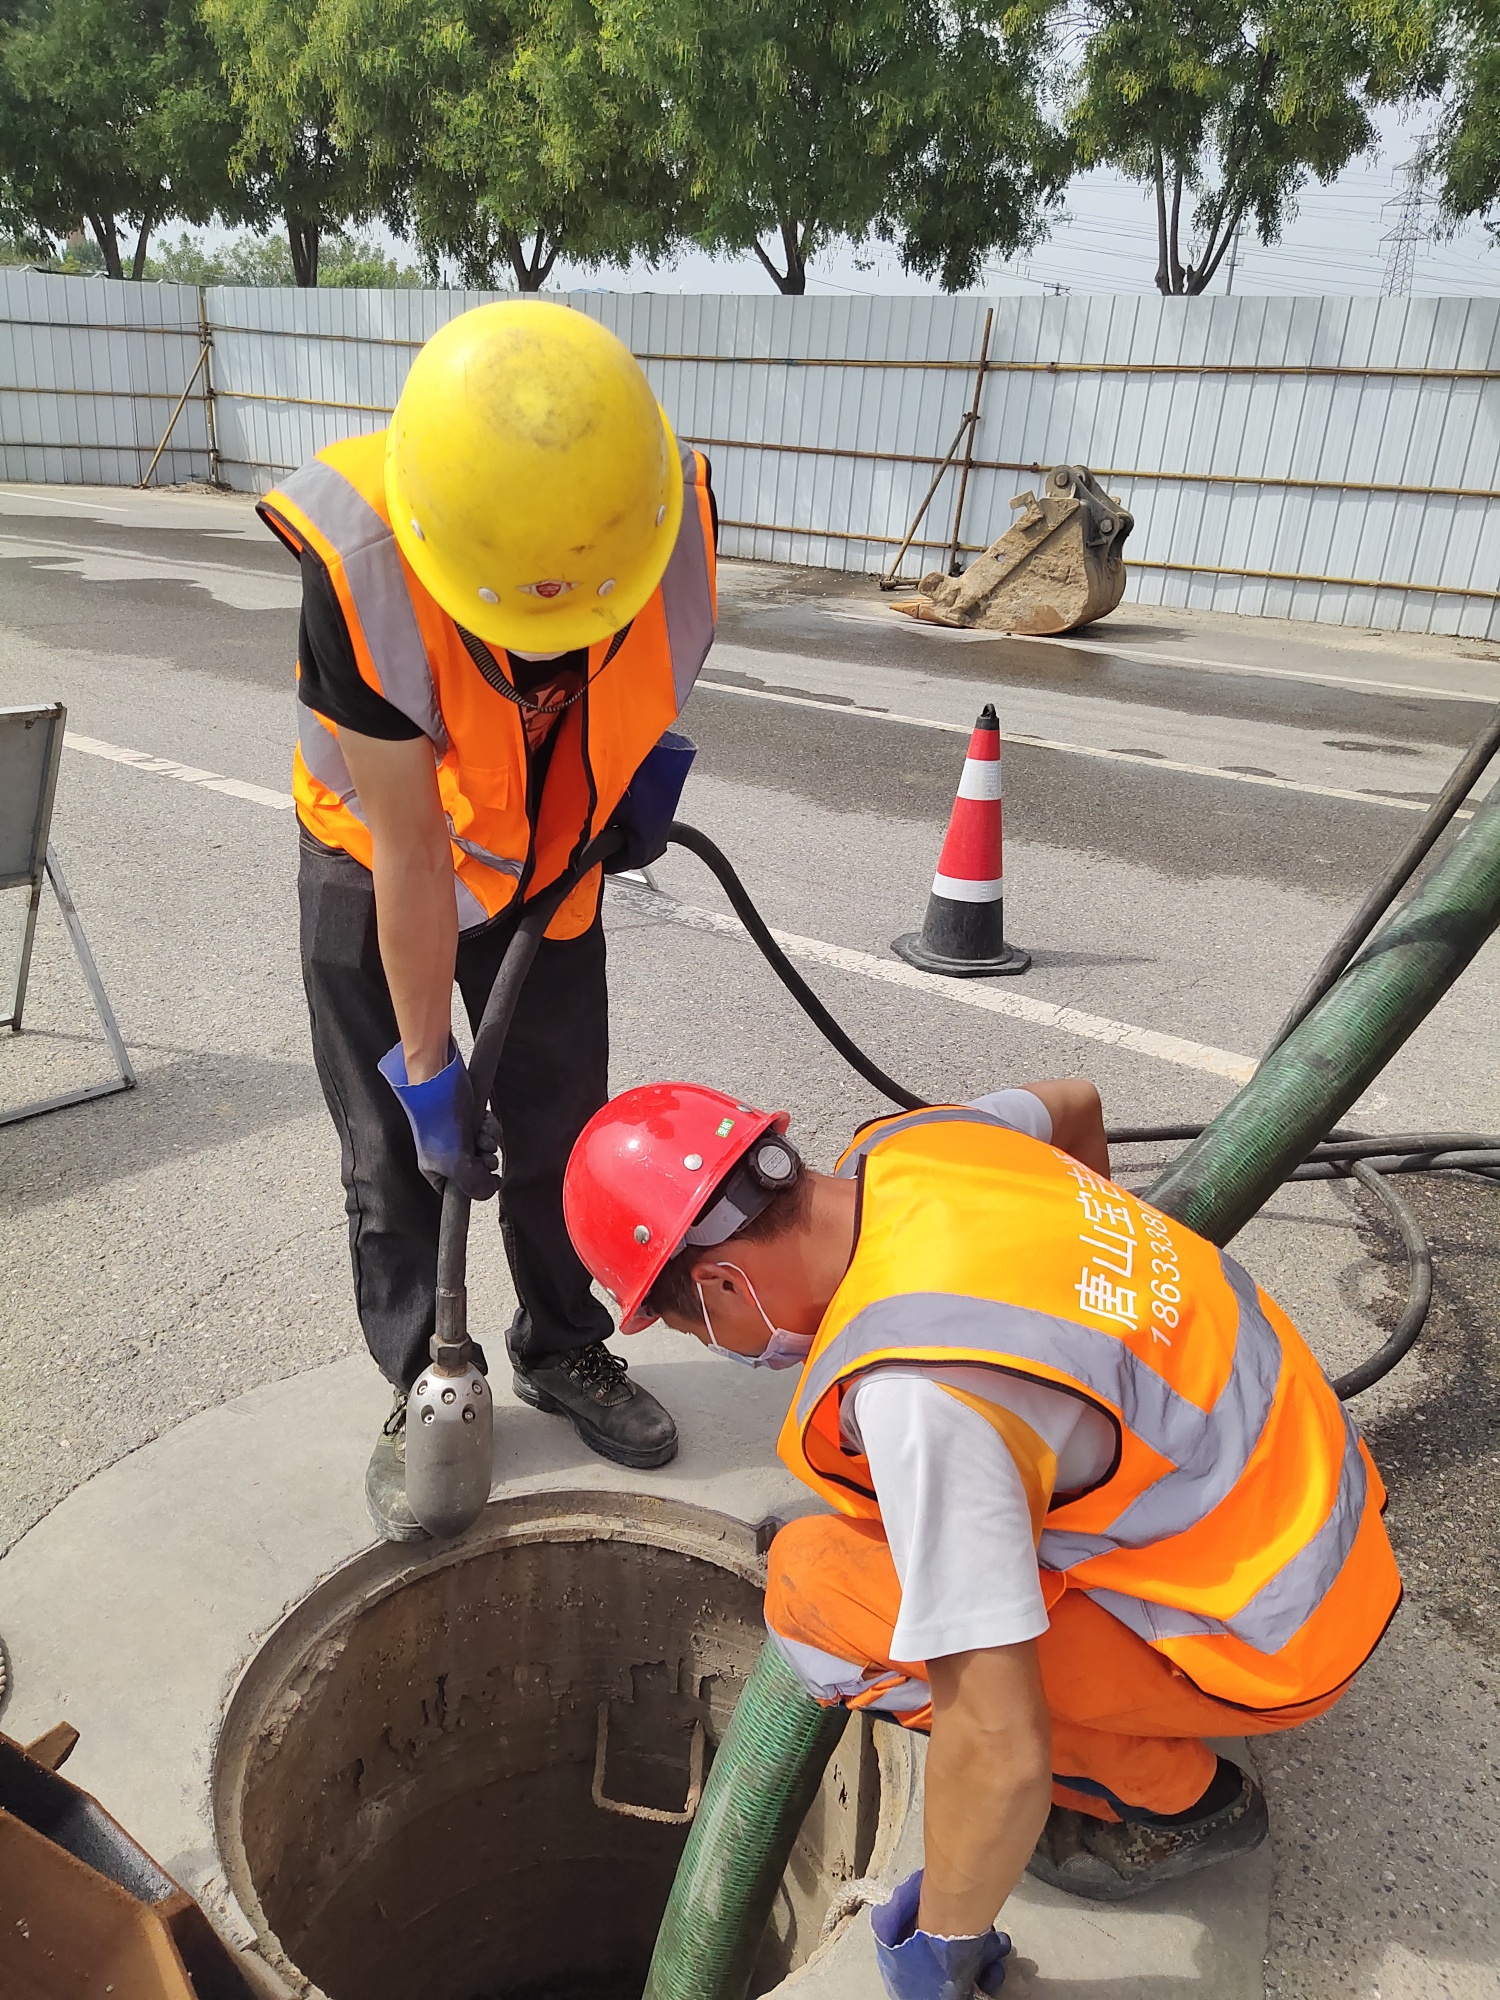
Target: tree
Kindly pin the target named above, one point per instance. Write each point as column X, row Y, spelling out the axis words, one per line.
column 251, row 259
column 1232, row 106
column 256, row 259
column 1465, row 149
column 291, row 160
column 114, row 115
column 511, row 143
column 80, row 257
column 987, row 165
column 802, row 121
column 358, row 263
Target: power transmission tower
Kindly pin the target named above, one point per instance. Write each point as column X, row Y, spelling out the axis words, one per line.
column 1409, row 232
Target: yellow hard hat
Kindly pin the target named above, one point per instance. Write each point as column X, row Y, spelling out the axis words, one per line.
column 532, row 478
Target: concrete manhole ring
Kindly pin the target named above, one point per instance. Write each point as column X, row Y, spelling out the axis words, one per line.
column 418, row 1780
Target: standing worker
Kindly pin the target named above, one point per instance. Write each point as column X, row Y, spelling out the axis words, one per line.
column 1096, row 1502
column 506, row 598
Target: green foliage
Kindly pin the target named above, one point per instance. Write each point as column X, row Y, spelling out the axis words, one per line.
column 990, row 165
column 358, row 262
column 503, row 134
column 112, row 114
column 343, row 259
column 803, row 121
column 246, row 260
column 509, row 140
column 1465, row 149
column 289, row 159
column 79, row 258
column 1231, row 106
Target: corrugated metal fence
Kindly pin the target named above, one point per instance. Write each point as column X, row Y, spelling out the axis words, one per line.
column 1330, row 459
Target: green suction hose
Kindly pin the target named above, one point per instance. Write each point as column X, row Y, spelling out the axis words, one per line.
column 765, row 1775
column 1307, row 1082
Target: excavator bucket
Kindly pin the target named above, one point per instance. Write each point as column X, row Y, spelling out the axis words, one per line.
column 1056, row 568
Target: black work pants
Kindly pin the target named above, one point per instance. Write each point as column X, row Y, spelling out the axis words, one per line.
column 552, row 1078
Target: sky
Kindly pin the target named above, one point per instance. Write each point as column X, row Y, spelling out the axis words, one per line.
column 1107, row 243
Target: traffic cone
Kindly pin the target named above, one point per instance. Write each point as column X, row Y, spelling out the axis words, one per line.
column 963, row 933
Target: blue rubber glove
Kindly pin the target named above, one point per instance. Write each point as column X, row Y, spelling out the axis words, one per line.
column 453, row 1142
column 649, row 805
column 915, row 1965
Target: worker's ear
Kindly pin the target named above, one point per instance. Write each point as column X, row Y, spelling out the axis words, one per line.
column 718, row 1278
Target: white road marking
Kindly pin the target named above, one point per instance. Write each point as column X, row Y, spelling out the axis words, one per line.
column 811, row 951
column 29, row 493
column 990, row 999
column 1102, row 646
column 1265, row 673
column 186, row 774
column 965, row 730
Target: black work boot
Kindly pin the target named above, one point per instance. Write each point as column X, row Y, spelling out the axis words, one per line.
column 385, row 1481
column 1110, row 1861
column 613, row 1415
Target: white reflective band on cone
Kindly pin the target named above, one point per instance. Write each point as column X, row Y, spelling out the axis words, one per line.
column 981, row 778
column 957, row 890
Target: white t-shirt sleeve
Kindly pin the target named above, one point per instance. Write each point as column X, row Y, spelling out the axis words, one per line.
column 1020, row 1110
column 955, row 1515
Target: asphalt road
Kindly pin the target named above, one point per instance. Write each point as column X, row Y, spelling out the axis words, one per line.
column 1192, row 807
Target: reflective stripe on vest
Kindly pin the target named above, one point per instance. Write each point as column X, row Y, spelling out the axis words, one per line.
column 687, row 588
column 1238, row 1530
column 323, row 757
column 410, row 651
column 377, row 582
column 1209, row 1450
column 903, row 1121
column 1279, row 1609
column 372, row 565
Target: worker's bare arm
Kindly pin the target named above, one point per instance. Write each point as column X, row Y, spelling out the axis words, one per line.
column 988, row 1786
column 1077, row 1119
column 414, row 906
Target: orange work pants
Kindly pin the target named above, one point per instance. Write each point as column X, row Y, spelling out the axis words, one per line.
column 1128, row 1727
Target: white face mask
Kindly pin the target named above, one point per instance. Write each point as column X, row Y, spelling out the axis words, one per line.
column 783, row 1350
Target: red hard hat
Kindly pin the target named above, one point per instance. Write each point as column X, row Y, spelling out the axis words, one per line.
column 641, row 1170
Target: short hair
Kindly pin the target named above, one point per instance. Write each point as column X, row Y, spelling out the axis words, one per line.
column 675, row 1291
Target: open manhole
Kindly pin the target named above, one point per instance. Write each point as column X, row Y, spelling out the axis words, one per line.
column 421, row 1778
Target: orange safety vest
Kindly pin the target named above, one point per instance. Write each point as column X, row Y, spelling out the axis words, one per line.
column 410, row 651
column 1238, row 1531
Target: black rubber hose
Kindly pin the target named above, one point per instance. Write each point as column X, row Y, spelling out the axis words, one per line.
column 718, row 864
column 1484, row 1162
column 1340, row 954
column 1143, row 1135
column 1340, row 1146
column 1391, row 1152
column 1308, row 1083
column 1369, row 1160
column 1338, row 1156
column 1418, row 1295
column 1140, row 1135
column 489, row 1041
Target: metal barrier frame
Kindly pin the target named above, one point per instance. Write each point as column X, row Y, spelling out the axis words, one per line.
column 33, row 860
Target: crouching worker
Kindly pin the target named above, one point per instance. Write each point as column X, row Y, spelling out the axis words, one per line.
column 1096, row 1502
